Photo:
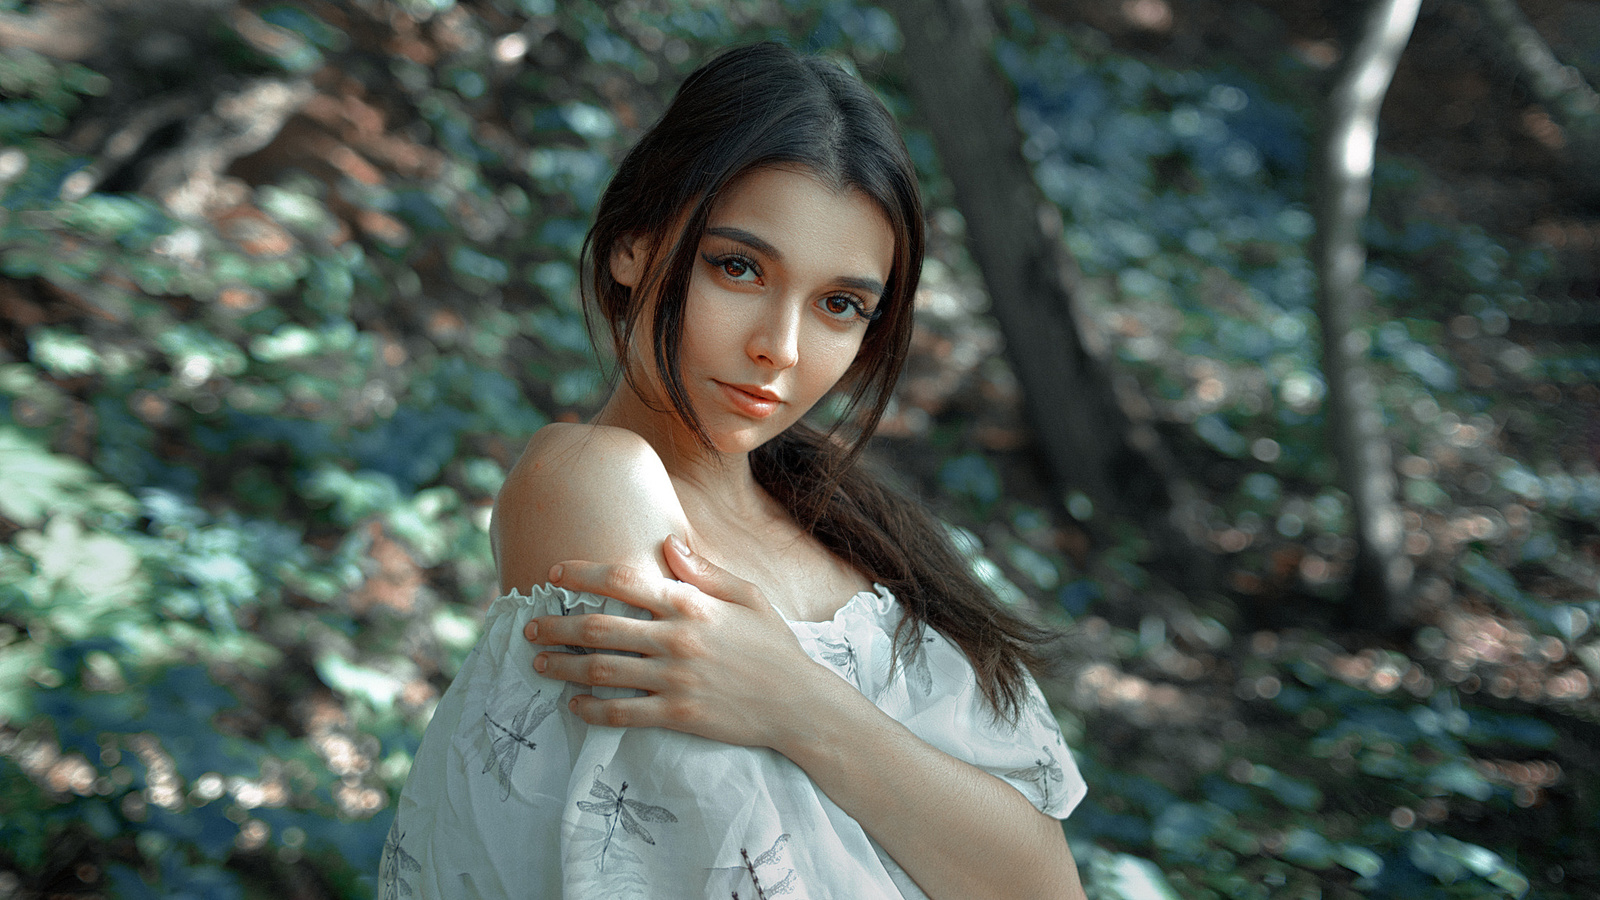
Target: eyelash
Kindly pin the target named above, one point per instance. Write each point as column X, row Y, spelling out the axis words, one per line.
column 721, row 262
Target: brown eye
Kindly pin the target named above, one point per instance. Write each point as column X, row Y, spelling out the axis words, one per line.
column 843, row 307
column 734, row 267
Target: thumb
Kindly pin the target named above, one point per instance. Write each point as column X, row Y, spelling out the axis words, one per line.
column 713, row 580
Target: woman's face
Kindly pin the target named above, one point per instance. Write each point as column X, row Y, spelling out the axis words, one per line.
column 786, row 275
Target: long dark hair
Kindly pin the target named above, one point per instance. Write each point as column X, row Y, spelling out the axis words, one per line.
column 762, row 106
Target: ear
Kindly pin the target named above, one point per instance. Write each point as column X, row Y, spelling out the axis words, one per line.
column 628, row 257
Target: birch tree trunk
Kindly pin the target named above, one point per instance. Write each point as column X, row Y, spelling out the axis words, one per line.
column 1382, row 577
column 1087, row 438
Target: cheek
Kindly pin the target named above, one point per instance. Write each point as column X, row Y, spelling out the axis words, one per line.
column 711, row 337
column 833, row 354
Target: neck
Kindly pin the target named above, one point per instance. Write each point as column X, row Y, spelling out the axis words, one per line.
column 715, row 478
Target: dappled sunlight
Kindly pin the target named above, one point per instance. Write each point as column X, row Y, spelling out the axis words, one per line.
column 1529, row 778
column 1142, row 701
column 1483, row 652
column 42, row 760
column 1379, row 672
column 248, row 453
column 1148, row 15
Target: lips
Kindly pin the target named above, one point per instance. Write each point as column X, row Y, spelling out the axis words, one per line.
column 751, row 400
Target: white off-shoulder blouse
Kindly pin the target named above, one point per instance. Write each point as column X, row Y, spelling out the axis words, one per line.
column 511, row 795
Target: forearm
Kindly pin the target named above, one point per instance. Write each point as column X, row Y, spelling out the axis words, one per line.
column 959, row 832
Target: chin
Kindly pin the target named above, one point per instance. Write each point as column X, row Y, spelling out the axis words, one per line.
column 739, row 443
column 744, row 440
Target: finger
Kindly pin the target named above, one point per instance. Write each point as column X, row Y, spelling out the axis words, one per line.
column 636, row 588
column 624, row 712
column 709, row 577
column 593, row 630
column 600, row 670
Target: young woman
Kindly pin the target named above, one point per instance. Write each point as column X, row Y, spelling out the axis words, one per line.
column 728, row 663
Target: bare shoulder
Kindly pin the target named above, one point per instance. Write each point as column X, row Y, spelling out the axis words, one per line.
column 590, row 492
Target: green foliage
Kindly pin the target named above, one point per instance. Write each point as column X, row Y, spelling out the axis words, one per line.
column 1345, row 771
column 247, row 459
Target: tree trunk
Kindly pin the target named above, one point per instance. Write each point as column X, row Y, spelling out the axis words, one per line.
column 1382, row 577
column 1087, row 438
column 1560, row 88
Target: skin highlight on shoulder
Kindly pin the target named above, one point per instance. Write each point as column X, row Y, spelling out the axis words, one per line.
column 591, row 492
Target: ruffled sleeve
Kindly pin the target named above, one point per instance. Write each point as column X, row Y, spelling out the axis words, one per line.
column 511, row 612
column 947, row 709
column 933, row 690
column 497, row 770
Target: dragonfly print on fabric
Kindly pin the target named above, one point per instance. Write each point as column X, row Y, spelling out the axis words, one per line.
column 397, row 864
column 618, row 809
column 1045, row 771
column 762, row 876
column 507, row 741
column 916, row 664
column 842, row 655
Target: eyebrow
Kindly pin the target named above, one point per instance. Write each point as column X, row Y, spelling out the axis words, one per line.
column 871, row 286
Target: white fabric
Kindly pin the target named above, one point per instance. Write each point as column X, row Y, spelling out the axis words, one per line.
column 511, row 795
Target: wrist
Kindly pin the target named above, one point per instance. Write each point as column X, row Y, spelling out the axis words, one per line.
column 825, row 713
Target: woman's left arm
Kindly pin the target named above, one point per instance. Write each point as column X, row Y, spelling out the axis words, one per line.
column 720, row 662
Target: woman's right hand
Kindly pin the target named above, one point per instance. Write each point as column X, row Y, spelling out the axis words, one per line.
column 717, row 660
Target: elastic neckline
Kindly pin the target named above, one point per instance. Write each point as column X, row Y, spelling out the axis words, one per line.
column 878, row 599
column 871, row 601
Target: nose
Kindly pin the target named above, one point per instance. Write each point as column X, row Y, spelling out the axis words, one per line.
column 775, row 339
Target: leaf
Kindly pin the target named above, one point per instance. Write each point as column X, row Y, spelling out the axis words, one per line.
column 32, row 479
column 1132, row 877
column 288, row 342
column 1458, row 777
column 17, row 663
column 973, row 476
column 378, row 688
column 1498, row 583
column 1490, row 727
column 1185, row 829
column 1219, row 434
column 62, row 353
column 1038, row 567
column 1359, row 860
column 1304, row 847
column 112, row 215
column 102, row 568
column 1449, row 859
column 296, row 210
column 1292, row 792
column 307, row 26
column 466, row 261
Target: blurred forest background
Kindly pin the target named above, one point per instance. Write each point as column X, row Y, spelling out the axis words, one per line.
column 284, row 285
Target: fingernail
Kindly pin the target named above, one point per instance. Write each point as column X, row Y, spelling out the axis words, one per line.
column 539, row 662
column 678, row 544
column 531, row 631
column 555, row 574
